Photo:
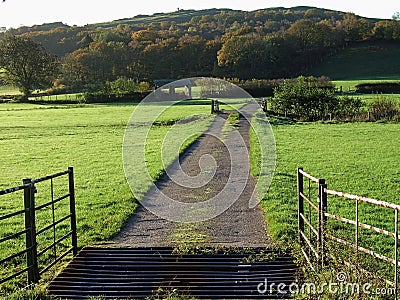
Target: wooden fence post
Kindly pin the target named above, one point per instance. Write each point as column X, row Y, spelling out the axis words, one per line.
column 72, row 210
column 30, row 226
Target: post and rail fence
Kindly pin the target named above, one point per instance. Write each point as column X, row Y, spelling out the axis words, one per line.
column 313, row 233
column 30, row 233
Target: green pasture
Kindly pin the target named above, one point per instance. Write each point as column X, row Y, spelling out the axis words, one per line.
column 358, row 158
column 37, row 140
column 350, row 85
column 362, row 61
column 8, row 90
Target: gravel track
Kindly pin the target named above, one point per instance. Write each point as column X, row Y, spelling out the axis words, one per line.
column 238, row 226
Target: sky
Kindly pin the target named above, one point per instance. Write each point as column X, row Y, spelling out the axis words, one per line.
column 15, row 13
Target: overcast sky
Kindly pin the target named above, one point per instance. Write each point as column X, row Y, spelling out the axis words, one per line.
column 14, row 13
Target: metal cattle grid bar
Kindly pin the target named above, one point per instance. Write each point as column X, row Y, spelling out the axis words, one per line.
column 137, row 273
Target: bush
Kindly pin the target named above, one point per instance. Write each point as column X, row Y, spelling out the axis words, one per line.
column 348, row 107
column 384, row 108
column 101, row 97
column 378, row 88
column 122, row 89
column 304, row 98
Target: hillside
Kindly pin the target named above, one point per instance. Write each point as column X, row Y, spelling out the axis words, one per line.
column 377, row 60
column 263, row 44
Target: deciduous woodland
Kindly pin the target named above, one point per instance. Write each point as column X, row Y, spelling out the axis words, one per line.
column 267, row 43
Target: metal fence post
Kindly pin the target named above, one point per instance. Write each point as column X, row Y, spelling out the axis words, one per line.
column 396, row 246
column 30, row 226
column 323, row 209
column 300, row 205
column 72, row 209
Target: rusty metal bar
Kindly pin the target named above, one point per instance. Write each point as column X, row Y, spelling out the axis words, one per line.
column 309, row 202
column 53, row 217
column 348, row 264
column 309, row 224
column 320, row 230
column 308, row 176
column 30, row 231
column 363, row 199
column 362, row 249
column 307, row 259
column 14, row 275
column 309, row 209
column 310, row 245
column 356, row 227
column 362, row 225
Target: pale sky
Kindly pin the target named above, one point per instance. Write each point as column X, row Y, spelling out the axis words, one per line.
column 14, row 13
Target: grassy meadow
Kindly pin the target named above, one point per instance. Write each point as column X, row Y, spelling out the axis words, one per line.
column 360, row 158
column 364, row 61
column 37, row 140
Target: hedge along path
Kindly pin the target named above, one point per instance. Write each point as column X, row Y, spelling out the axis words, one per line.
column 238, row 226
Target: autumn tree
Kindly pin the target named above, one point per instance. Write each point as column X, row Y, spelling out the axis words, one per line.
column 387, row 30
column 26, row 64
column 355, row 29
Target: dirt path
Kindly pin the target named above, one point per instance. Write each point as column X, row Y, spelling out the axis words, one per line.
column 239, row 225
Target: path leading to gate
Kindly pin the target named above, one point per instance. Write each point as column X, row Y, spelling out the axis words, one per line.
column 239, row 225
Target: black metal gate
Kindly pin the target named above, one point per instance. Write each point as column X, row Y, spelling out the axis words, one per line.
column 32, row 253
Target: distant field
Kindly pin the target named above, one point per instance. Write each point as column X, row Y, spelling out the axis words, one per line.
column 8, row 90
column 362, row 62
column 350, row 85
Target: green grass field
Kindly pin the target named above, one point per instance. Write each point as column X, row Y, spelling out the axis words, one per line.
column 8, row 90
column 358, row 158
column 350, row 84
column 37, row 140
column 379, row 61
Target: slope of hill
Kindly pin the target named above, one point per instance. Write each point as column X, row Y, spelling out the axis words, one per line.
column 378, row 60
column 267, row 43
column 179, row 17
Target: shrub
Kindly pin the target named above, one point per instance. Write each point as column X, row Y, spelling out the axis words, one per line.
column 348, row 107
column 378, row 88
column 304, row 98
column 122, row 89
column 384, row 108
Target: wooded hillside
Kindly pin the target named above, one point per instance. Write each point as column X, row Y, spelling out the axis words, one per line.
column 268, row 43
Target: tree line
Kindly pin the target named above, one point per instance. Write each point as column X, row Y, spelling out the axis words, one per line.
column 269, row 43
